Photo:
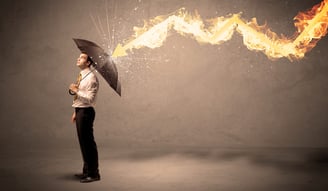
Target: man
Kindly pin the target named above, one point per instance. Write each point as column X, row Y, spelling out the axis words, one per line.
column 85, row 91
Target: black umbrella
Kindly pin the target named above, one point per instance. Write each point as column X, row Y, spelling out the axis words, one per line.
column 102, row 62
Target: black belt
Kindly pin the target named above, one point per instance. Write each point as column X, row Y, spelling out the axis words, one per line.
column 81, row 108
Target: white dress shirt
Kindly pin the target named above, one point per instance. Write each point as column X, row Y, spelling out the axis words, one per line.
column 87, row 90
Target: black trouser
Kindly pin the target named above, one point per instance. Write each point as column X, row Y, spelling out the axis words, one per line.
column 84, row 125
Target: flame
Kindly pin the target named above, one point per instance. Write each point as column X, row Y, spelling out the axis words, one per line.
column 311, row 27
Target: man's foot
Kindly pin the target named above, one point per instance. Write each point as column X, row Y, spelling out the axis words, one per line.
column 88, row 179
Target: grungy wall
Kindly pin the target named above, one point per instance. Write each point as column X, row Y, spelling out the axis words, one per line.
column 182, row 94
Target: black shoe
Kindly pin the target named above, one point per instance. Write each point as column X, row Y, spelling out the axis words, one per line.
column 90, row 179
column 81, row 175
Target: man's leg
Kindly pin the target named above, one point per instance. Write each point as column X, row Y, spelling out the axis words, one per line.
column 90, row 146
column 79, row 127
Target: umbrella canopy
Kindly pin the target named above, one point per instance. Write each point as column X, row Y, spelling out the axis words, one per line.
column 102, row 62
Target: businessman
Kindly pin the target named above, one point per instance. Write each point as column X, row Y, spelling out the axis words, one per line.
column 85, row 93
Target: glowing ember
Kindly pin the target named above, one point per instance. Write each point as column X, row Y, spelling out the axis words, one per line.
column 311, row 26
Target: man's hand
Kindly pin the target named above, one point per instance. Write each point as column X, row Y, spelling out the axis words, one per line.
column 73, row 88
column 73, row 117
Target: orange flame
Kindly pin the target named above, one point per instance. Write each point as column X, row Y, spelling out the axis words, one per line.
column 311, row 26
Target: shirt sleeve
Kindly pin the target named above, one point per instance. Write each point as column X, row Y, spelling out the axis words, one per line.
column 88, row 95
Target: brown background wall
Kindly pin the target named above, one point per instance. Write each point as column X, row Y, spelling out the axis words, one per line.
column 181, row 94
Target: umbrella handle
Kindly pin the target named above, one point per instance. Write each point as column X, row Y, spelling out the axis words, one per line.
column 71, row 92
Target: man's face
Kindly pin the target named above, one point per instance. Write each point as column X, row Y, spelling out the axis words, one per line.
column 82, row 61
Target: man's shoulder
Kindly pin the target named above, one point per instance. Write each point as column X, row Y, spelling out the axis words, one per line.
column 93, row 76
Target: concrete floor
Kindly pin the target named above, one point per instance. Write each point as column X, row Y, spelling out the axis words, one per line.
column 185, row 169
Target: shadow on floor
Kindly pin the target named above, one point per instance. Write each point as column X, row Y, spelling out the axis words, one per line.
column 286, row 159
column 68, row 177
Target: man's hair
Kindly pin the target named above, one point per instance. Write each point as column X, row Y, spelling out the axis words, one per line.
column 88, row 59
